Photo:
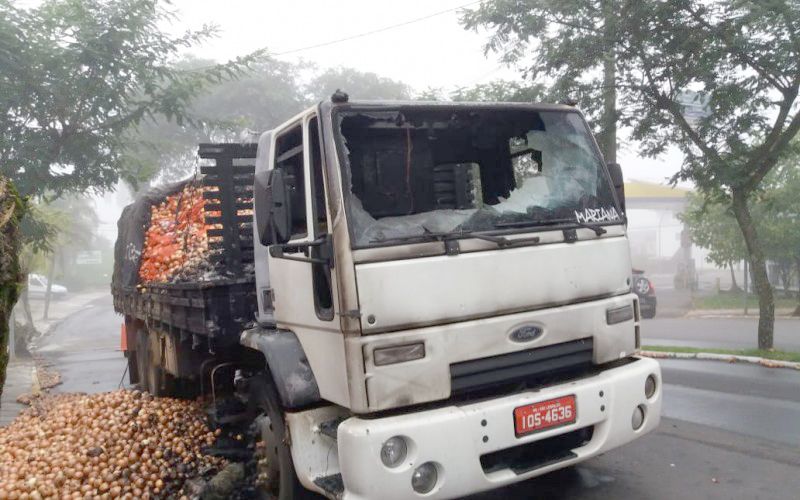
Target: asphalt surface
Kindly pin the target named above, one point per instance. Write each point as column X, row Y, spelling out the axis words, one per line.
column 726, row 333
column 85, row 349
column 729, row 431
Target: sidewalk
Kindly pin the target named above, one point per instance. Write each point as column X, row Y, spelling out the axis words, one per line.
column 21, row 371
column 19, row 380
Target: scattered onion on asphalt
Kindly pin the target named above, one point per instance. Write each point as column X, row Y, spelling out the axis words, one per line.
column 122, row 444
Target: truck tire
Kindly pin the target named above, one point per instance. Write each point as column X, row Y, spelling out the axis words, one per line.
column 142, row 359
column 152, row 378
column 275, row 476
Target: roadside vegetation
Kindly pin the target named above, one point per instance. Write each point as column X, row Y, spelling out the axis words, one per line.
column 737, row 301
column 760, row 353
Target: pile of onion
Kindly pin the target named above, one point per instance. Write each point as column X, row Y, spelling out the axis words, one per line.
column 123, row 444
column 176, row 242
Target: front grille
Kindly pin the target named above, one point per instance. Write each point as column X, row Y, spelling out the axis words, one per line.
column 532, row 367
column 527, row 457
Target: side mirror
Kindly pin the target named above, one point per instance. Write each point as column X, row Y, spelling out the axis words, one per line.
column 615, row 170
column 273, row 208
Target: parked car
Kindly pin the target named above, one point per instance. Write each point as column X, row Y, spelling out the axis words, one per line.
column 37, row 287
column 644, row 288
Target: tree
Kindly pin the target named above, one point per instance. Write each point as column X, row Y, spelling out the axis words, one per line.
column 737, row 61
column 261, row 99
column 11, row 210
column 77, row 75
column 567, row 48
column 357, row 84
column 499, row 91
column 781, row 223
column 713, row 227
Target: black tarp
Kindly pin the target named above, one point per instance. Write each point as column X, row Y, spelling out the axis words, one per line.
column 131, row 229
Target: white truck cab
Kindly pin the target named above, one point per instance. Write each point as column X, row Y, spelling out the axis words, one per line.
column 444, row 300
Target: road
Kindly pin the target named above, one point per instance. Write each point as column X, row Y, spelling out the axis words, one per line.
column 727, row 333
column 85, row 349
column 730, row 431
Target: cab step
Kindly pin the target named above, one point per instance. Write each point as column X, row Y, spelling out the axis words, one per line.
column 332, row 485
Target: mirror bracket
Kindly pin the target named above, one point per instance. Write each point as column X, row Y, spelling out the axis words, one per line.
column 324, row 243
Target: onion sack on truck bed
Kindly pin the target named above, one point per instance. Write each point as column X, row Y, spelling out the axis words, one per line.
column 176, row 242
column 122, row 444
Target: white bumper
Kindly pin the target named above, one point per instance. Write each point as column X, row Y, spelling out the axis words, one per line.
column 455, row 437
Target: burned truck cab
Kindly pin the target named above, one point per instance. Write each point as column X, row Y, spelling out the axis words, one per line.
column 455, row 281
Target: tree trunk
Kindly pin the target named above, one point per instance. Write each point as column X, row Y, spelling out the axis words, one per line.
column 797, row 264
column 609, row 133
column 734, row 285
column 758, row 266
column 49, row 291
column 26, row 306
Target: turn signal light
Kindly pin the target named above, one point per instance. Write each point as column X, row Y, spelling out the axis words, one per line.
column 398, row 354
column 619, row 314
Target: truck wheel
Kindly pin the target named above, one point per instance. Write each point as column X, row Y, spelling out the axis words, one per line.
column 159, row 382
column 275, row 476
column 152, row 378
column 142, row 359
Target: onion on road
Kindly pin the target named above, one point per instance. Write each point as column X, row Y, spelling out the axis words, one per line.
column 122, row 444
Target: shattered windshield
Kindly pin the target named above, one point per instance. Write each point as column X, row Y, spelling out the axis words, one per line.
column 418, row 172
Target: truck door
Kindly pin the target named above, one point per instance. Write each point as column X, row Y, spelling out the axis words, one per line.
column 304, row 292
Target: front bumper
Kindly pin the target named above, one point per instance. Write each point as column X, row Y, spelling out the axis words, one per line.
column 455, row 437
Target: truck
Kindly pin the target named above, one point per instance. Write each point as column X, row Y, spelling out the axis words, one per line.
column 412, row 300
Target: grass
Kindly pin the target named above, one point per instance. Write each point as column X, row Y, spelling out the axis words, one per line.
column 736, row 301
column 776, row 355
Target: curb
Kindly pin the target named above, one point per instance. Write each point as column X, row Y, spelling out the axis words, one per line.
column 729, row 358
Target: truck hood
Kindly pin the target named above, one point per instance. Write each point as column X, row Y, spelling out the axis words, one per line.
column 440, row 289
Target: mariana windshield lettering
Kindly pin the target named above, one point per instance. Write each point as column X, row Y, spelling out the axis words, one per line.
column 597, row 215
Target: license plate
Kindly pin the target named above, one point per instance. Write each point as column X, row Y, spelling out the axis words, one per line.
column 545, row 415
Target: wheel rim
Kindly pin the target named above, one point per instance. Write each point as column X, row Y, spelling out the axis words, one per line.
column 266, row 455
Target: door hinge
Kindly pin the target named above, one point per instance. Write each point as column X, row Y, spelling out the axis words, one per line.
column 353, row 313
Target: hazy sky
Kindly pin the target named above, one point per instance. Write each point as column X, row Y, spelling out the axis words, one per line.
column 434, row 52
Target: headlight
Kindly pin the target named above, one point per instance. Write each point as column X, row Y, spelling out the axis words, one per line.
column 424, row 478
column 394, row 451
column 650, row 386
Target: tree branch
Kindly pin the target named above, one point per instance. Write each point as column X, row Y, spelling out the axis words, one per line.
column 665, row 103
column 774, row 153
column 735, row 50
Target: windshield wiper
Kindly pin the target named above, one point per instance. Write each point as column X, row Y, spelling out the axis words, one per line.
column 500, row 241
column 412, row 237
column 598, row 230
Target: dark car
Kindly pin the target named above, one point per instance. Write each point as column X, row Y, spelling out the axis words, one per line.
column 644, row 288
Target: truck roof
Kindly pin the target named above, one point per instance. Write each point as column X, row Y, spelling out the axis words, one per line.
column 449, row 104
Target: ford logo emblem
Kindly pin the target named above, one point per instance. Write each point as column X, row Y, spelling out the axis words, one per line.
column 526, row 333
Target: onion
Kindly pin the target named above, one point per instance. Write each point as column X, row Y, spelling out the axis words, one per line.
column 72, row 446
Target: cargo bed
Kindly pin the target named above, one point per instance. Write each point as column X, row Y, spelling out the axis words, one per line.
column 213, row 310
